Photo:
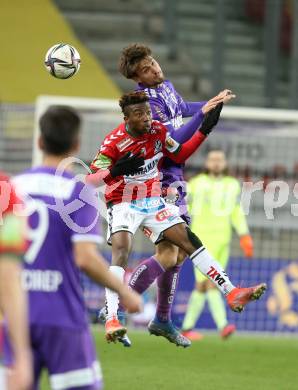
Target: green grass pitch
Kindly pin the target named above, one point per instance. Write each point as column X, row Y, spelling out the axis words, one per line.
column 246, row 363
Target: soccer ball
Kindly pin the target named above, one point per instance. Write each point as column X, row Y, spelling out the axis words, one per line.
column 62, row 61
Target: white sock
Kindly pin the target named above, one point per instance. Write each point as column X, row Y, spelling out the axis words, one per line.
column 202, row 259
column 112, row 298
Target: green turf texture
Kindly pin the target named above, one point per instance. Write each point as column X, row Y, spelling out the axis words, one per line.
column 246, row 363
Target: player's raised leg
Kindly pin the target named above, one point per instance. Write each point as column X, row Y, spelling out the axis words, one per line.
column 236, row 298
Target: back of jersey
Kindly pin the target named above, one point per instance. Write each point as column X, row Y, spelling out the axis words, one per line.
column 61, row 212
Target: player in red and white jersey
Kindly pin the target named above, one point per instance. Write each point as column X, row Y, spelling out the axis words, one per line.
column 151, row 146
column 12, row 296
column 128, row 161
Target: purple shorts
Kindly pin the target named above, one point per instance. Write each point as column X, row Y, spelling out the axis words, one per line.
column 68, row 354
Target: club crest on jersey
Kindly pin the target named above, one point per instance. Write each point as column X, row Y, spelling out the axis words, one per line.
column 157, row 146
column 124, row 144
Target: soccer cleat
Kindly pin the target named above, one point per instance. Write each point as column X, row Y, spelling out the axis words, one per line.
column 239, row 297
column 168, row 330
column 114, row 330
column 227, row 331
column 125, row 340
column 101, row 317
column 192, row 335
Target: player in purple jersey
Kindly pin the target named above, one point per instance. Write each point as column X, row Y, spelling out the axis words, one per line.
column 63, row 233
column 169, row 108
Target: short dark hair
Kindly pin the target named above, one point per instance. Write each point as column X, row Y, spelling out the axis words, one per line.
column 131, row 57
column 59, row 127
column 132, row 98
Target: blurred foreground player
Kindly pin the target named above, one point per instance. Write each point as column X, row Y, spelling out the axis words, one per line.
column 64, row 233
column 12, row 297
column 215, row 209
column 168, row 107
column 129, row 162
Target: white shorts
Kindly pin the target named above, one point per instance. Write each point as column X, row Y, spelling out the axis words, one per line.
column 152, row 215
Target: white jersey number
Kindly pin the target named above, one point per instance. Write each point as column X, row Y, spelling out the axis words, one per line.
column 38, row 234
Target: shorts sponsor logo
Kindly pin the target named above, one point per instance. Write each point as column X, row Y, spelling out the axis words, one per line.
column 163, row 215
column 147, row 232
column 216, row 276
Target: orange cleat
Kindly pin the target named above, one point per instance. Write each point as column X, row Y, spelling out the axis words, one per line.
column 239, row 297
column 227, row 331
column 114, row 330
column 192, row 335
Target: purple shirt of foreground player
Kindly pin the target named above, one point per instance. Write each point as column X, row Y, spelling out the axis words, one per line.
column 62, row 211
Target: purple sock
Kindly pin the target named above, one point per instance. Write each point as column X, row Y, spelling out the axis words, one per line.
column 145, row 274
column 167, row 284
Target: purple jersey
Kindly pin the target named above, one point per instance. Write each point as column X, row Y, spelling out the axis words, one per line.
column 168, row 107
column 62, row 211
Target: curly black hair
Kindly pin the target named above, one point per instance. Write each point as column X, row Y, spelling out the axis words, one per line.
column 131, row 57
column 132, row 98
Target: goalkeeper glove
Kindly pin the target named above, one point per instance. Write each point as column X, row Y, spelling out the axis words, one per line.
column 247, row 246
column 127, row 165
column 210, row 119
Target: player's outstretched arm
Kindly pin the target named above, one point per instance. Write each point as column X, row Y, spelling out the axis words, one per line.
column 181, row 153
column 94, row 265
column 197, row 110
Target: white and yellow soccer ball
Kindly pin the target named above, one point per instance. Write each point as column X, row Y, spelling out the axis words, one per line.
column 62, row 61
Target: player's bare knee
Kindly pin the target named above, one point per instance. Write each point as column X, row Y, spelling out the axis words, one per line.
column 167, row 260
column 166, row 254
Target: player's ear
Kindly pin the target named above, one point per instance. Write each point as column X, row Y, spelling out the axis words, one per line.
column 126, row 114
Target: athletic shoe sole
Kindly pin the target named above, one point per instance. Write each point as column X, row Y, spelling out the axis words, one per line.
column 113, row 336
column 253, row 297
column 157, row 331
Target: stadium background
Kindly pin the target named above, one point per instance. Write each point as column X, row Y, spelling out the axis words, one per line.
column 249, row 46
